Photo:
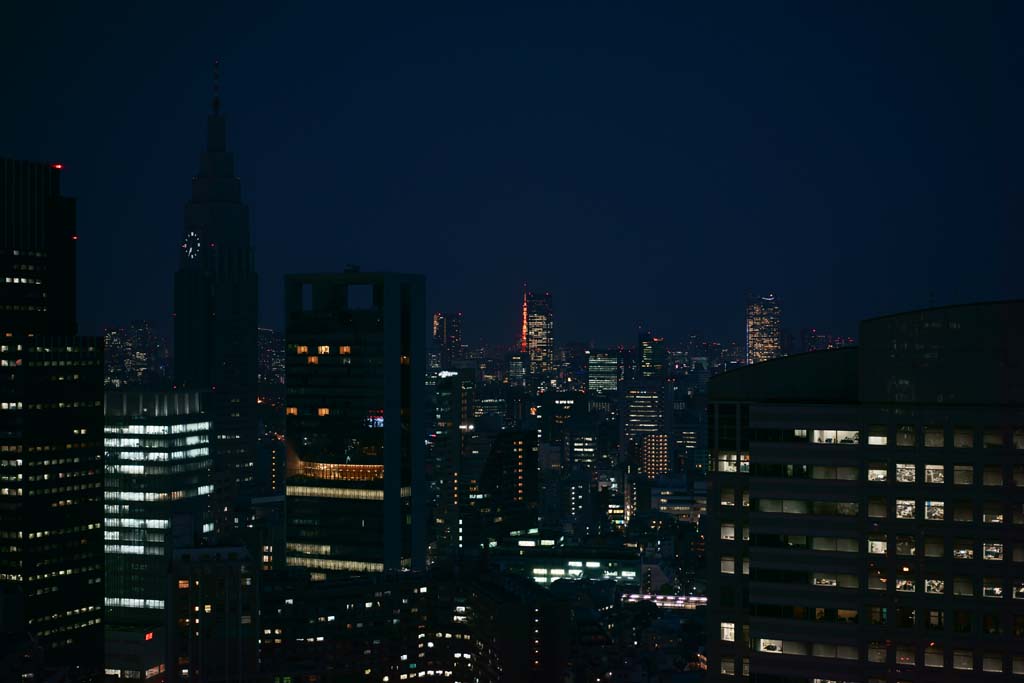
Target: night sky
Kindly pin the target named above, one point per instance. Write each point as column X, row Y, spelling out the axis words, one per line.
column 646, row 163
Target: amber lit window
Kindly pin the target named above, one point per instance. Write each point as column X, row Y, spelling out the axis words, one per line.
column 183, row 583
column 291, row 410
column 323, row 411
column 345, row 350
column 313, row 360
column 301, row 349
column 323, row 350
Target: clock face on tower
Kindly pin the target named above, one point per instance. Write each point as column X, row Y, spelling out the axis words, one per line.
column 191, row 245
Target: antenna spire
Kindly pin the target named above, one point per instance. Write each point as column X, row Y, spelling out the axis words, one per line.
column 216, row 86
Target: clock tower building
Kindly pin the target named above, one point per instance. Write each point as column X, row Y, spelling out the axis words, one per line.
column 215, row 312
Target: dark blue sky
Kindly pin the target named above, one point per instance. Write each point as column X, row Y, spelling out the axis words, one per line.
column 646, row 163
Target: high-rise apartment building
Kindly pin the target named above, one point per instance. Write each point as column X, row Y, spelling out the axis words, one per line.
column 158, row 497
column 215, row 290
column 51, row 426
column 654, row 456
column 602, row 372
column 764, row 331
column 867, row 505
column 538, row 332
column 354, row 422
column 448, row 337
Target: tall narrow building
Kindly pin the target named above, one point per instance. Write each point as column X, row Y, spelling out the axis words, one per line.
column 354, row 425
column 215, row 290
column 764, row 329
column 448, row 337
column 51, row 430
column 538, row 332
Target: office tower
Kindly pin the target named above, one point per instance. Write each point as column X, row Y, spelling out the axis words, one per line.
column 602, row 372
column 215, row 285
column 867, row 505
column 214, row 614
column 158, row 496
column 518, row 369
column 354, row 422
column 652, row 354
column 51, row 424
column 764, row 333
column 134, row 357
column 645, row 409
column 453, row 428
column 538, row 332
column 654, row 455
column 510, row 480
column 448, row 338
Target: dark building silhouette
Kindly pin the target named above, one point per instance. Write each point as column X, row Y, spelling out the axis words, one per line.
column 51, row 430
column 448, row 338
column 354, row 422
column 215, row 290
column 867, row 505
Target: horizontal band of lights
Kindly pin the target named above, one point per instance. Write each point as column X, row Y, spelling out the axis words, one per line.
column 143, row 442
column 158, row 429
column 161, row 456
column 342, row 472
column 150, row 497
column 336, row 565
column 349, row 494
column 310, row 548
column 329, row 492
column 147, row 603
column 668, row 601
column 133, row 549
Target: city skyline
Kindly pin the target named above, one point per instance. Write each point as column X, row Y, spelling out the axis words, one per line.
column 501, row 344
column 802, row 180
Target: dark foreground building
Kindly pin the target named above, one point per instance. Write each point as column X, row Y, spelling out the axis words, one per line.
column 51, row 431
column 354, row 422
column 867, row 506
column 412, row 626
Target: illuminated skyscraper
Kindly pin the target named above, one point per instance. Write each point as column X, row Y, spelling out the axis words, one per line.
column 602, row 372
column 51, row 427
column 764, row 333
column 158, row 497
column 652, row 357
column 538, row 332
column 354, row 422
column 448, row 337
column 645, row 411
column 215, row 291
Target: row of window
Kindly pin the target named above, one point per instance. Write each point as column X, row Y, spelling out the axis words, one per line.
column 877, row 579
column 910, row 436
column 905, row 655
column 992, row 511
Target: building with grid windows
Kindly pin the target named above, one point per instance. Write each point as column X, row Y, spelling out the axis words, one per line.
column 867, row 505
column 51, row 424
column 764, row 329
